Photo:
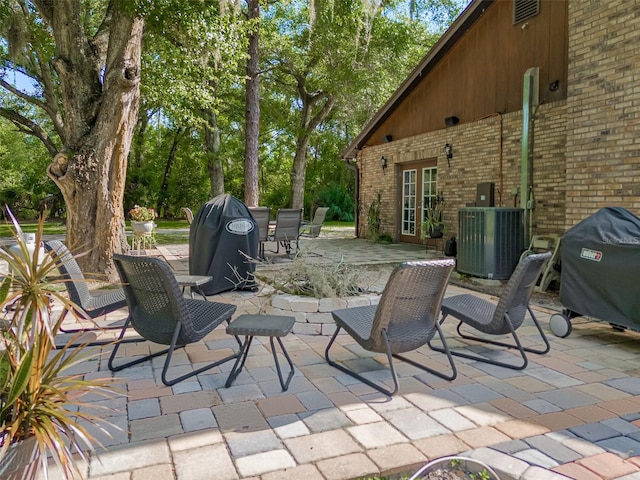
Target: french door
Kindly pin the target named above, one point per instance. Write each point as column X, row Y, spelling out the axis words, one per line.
column 418, row 190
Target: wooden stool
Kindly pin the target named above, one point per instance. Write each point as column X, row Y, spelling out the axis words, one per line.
column 264, row 326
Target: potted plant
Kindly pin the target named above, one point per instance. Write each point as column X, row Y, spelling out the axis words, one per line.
column 142, row 219
column 455, row 468
column 432, row 225
column 42, row 412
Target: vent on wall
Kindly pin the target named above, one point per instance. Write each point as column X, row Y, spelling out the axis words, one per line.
column 525, row 9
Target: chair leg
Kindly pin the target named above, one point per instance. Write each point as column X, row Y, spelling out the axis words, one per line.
column 390, row 357
column 518, row 345
column 116, row 347
column 283, row 384
column 167, row 362
column 454, row 370
column 83, row 330
column 242, row 357
column 358, row 376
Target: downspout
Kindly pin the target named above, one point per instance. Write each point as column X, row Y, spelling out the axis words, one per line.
column 529, row 107
column 354, row 168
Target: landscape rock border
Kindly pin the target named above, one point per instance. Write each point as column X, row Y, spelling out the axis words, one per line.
column 313, row 315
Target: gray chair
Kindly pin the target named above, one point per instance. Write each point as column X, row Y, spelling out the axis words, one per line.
column 312, row 230
column 503, row 318
column 261, row 215
column 188, row 214
column 93, row 305
column 287, row 229
column 405, row 319
column 160, row 313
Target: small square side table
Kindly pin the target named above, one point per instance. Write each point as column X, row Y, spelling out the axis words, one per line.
column 272, row 326
column 194, row 282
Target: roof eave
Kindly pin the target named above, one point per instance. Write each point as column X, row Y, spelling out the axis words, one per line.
column 435, row 54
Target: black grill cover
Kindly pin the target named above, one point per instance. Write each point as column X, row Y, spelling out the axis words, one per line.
column 601, row 267
column 222, row 235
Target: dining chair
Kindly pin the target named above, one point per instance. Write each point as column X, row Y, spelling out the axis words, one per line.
column 261, row 215
column 287, row 229
column 312, row 230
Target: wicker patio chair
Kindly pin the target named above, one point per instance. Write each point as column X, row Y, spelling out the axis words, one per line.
column 287, row 229
column 160, row 313
column 405, row 319
column 503, row 318
column 261, row 215
column 93, row 305
column 312, row 230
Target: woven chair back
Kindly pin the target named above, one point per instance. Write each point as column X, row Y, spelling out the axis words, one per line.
column 410, row 304
column 514, row 300
column 155, row 300
column 75, row 281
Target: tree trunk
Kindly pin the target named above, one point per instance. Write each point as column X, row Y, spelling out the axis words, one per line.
column 299, row 172
column 212, row 146
column 308, row 123
column 252, row 97
column 100, row 120
column 162, row 194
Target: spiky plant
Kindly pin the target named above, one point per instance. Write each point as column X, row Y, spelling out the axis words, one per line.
column 37, row 397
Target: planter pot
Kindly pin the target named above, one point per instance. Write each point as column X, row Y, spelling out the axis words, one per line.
column 455, row 468
column 22, row 461
column 436, row 232
column 141, row 227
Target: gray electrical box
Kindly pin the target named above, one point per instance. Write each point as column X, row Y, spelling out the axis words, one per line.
column 490, row 241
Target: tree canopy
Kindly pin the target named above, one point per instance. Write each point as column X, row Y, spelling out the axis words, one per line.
column 324, row 67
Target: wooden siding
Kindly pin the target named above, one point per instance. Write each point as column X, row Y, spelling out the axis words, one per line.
column 483, row 72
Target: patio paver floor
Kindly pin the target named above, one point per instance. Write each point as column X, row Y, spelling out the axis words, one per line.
column 572, row 413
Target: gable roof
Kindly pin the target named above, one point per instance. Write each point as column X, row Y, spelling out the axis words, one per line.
column 448, row 39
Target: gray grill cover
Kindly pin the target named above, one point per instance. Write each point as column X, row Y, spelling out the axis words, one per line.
column 601, row 267
column 220, row 231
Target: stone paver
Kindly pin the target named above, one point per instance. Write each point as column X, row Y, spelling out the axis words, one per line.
column 265, row 462
column 319, row 446
column 376, row 435
column 572, row 413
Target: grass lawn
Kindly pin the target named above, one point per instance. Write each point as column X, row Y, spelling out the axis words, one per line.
column 57, row 227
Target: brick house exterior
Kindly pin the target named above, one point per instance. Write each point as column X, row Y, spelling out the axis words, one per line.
column 586, row 148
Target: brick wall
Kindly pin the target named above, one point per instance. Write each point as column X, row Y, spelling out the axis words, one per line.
column 603, row 107
column 586, row 150
column 476, row 159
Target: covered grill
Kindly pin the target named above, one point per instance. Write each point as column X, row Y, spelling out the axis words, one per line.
column 223, row 237
column 600, row 267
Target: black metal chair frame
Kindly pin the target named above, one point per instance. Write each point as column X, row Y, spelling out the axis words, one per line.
column 405, row 319
column 503, row 318
column 156, row 303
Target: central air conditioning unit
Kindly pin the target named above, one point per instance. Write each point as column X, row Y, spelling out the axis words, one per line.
column 490, row 241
